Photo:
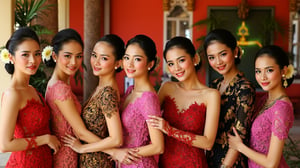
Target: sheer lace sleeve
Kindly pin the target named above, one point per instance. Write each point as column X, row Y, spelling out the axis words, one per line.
column 283, row 118
column 151, row 105
column 62, row 91
column 109, row 101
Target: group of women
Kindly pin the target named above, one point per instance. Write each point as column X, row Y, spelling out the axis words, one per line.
column 185, row 124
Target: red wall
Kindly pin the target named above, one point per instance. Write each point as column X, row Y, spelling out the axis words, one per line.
column 132, row 17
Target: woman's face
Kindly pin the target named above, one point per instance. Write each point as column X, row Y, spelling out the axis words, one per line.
column 180, row 63
column 27, row 57
column 135, row 61
column 103, row 60
column 267, row 73
column 220, row 57
column 69, row 58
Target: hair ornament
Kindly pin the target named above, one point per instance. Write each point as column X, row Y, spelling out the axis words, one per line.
column 47, row 53
column 290, row 72
column 5, row 56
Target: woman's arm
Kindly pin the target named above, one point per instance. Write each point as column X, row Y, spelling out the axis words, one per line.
column 8, row 119
column 271, row 159
column 68, row 109
column 204, row 141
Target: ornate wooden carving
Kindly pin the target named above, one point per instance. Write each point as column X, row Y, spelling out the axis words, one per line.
column 243, row 9
column 169, row 4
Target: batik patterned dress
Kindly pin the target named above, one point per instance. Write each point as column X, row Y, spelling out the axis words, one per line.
column 94, row 119
column 237, row 109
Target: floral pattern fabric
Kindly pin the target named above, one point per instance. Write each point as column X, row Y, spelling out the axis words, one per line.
column 278, row 120
column 94, row 119
column 65, row 157
column 32, row 120
column 237, row 109
column 135, row 129
column 178, row 154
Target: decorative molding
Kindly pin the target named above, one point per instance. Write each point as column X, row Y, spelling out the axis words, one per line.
column 168, row 5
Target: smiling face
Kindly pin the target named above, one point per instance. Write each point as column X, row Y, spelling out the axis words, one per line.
column 180, row 63
column 267, row 73
column 221, row 57
column 27, row 57
column 69, row 58
column 103, row 60
column 135, row 62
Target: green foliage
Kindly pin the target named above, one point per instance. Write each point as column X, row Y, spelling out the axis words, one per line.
column 291, row 152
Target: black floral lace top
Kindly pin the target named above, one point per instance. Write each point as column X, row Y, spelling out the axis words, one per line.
column 237, row 108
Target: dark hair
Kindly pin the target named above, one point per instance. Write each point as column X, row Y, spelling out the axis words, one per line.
column 225, row 37
column 117, row 43
column 18, row 37
column 278, row 54
column 182, row 43
column 62, row 37
column 148, row 45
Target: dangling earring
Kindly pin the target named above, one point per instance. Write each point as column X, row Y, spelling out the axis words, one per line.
column 285, row 84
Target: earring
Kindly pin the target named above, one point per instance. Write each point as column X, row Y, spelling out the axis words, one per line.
column 285, row 84
column 195, row 64
column 149, row 68
column 235, row 56
column 116, row 68
column 54, row 60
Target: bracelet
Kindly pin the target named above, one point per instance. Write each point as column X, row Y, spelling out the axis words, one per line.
column 224, row 166
column 31, row 142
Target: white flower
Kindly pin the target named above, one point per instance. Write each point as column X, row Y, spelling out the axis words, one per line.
column 47, row 53
column 5, row 56
column 290, row 72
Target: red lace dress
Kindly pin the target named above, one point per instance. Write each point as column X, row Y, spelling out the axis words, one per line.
column 33, row 120
column 192, row 120
column 65, row 157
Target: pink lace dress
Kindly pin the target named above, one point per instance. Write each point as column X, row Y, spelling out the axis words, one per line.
column 65, row 157
column 178, row 154
column 33, row 120
column 135, row 130
column 278, row 120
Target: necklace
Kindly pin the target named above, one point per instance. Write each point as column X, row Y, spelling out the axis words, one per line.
column 272, row 102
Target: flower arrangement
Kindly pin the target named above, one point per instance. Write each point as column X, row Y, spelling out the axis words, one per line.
column 47, row 53
column 290, row 71
column 5, row 56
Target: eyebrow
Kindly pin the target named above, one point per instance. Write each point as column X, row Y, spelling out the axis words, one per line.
column 218, row 52
column 266, row 67
column 66, row 52
column 178, row 58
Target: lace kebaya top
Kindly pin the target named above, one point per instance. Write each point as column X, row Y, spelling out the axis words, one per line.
column 32, row 120
column 135, row 129
column 65, row 157
column 276, row 120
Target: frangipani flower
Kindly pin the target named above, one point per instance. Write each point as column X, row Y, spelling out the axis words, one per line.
column 5, row 56
column 290, row 72
column 47, row 53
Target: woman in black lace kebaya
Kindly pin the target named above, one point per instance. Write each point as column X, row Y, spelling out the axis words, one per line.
column 237, row 98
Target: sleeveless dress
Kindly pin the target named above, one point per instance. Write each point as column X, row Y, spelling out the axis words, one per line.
column 178, row 154
column 237, row 110
column 278, row 120
column 65, row 157
column 135, row 129
column 33, row 120
column 94, row 119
